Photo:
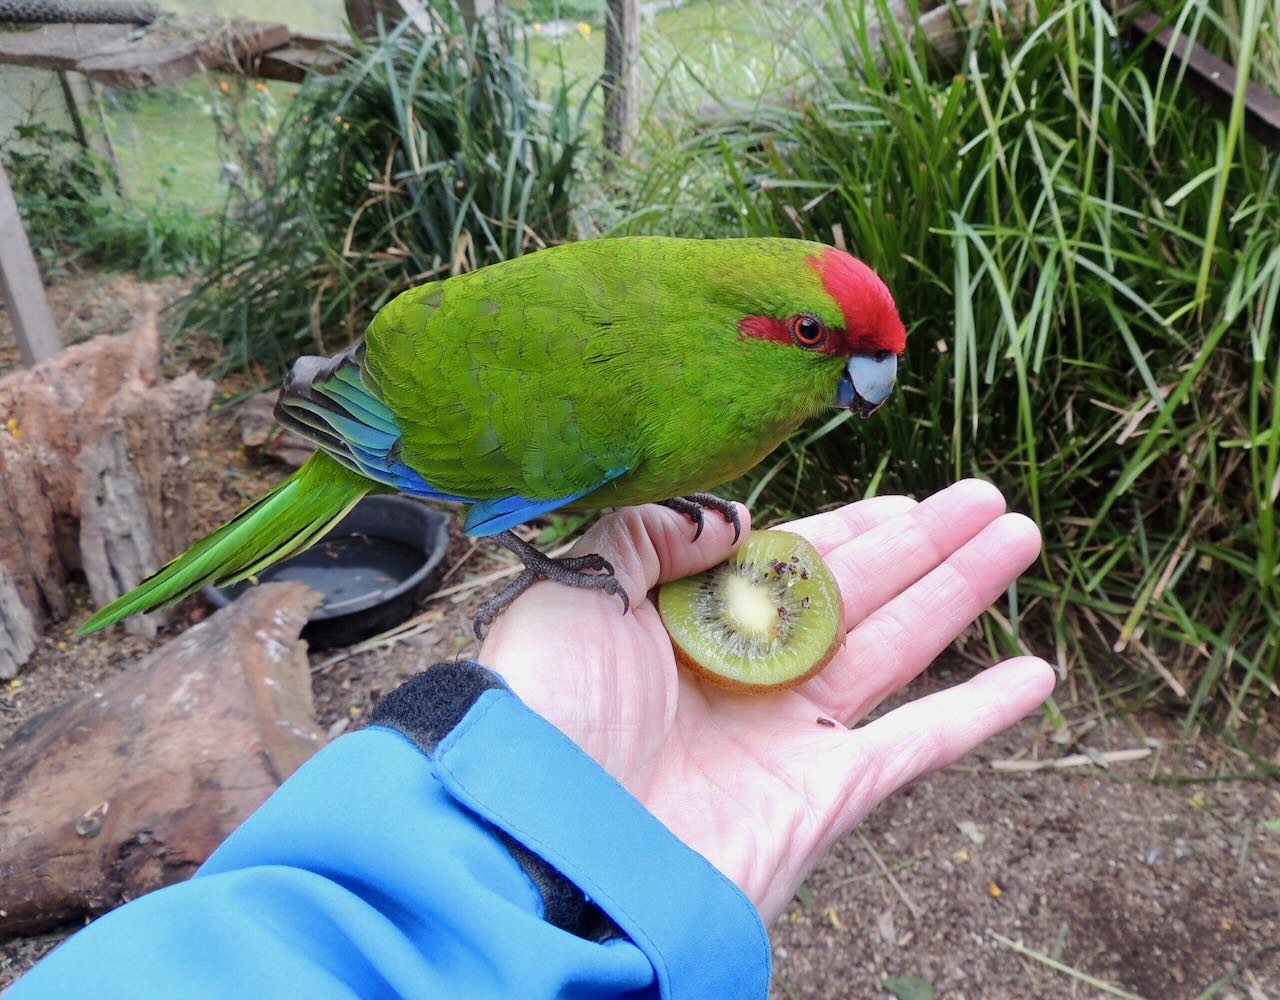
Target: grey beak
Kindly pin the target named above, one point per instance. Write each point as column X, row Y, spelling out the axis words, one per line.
column 867, row 382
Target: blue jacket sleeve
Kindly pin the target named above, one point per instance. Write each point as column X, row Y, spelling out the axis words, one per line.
column 460, row 846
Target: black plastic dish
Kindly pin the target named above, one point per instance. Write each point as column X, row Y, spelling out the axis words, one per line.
column 373, row 568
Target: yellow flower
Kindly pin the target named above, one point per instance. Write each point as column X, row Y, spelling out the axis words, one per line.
column 584, row 29
column 224, row 87
column 537, row 27
column 11, row 425
column 261, row 87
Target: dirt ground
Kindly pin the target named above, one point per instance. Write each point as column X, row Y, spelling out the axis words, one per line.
column 983, row 882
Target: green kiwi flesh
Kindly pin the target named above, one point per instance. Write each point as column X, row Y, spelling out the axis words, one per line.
column 768, row 617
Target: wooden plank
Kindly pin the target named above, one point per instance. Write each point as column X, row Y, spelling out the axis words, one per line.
column 1213, row 78
column 59, row 46
column 20, row 284
column 304, row 54
column 130, row 58
column 134, row 64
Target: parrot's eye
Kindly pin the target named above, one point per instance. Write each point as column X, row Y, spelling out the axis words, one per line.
column 806, row 330
column 881, row 355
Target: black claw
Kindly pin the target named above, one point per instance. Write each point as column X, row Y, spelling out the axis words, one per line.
column 570, row 572
column 693, row 505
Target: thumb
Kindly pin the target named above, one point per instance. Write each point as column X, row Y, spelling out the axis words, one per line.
column 652, row 544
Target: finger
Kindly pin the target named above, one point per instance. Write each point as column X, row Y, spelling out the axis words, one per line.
column 831, row 529
column 874, row 567
column 649, row 545
column 937, row 730
column 895, row 642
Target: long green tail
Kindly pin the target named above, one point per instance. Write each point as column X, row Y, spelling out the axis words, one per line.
column 292, row 516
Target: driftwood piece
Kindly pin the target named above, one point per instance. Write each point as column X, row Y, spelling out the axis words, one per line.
column 131, row 787
column 89, row 396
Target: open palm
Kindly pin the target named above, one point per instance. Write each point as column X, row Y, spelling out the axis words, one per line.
column 756, row 783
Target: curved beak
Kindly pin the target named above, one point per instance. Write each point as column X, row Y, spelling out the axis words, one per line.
column 866, row 383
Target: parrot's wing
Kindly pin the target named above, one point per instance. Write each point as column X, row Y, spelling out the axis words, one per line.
column 329, row 402
column 492, row 516
column 497, row 387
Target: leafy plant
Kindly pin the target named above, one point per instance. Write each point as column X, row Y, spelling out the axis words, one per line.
column 73, row 215
column 423, row 157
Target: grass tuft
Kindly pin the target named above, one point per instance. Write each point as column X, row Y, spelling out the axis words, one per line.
column 423, row 157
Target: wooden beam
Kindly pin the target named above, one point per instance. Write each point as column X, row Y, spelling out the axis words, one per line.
column 305, row 54
column 20, row 283
column 130, row 58
column 1213, row 78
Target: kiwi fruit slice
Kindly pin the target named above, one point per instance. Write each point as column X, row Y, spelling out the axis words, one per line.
column 768, row 617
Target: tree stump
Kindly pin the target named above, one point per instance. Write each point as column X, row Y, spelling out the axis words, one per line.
column 131, row 787
column 93, row 449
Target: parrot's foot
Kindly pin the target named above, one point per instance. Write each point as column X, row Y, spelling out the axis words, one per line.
column 694, row 504
column 572, row 572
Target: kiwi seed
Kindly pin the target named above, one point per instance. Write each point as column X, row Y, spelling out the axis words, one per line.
column 768, row 617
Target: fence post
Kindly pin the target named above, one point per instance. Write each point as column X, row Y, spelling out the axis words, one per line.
column 619, row 81
column 20, row 283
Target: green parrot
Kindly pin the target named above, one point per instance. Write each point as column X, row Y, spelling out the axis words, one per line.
column 593, row 374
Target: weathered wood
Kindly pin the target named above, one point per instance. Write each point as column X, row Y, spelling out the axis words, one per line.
column 1213, row 78
column 21, row 286
column 105, row 390
column 131, row 58
column 59, row 46
column 131, row 787
column 130, row 520
column 304, row 54
column 620, row 82
column 17, row 628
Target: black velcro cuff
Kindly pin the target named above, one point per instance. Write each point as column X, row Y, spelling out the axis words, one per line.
column 426, row 708
column 429, row 705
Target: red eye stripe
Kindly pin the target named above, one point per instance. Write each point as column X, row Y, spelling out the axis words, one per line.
column 781, row 331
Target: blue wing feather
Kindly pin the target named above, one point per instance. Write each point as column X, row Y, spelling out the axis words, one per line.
column 488, row 517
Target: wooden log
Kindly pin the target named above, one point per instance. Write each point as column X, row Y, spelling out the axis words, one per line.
column 103, row 397
column 133, row 489
column 131, row 787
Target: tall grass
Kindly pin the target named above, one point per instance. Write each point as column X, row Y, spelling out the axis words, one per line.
column 1088, row 261
column 423, row 157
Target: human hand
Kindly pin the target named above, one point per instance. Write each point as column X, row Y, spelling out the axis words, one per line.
column 753, row 782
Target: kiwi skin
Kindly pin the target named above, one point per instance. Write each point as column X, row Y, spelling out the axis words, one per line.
column 687, row 660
